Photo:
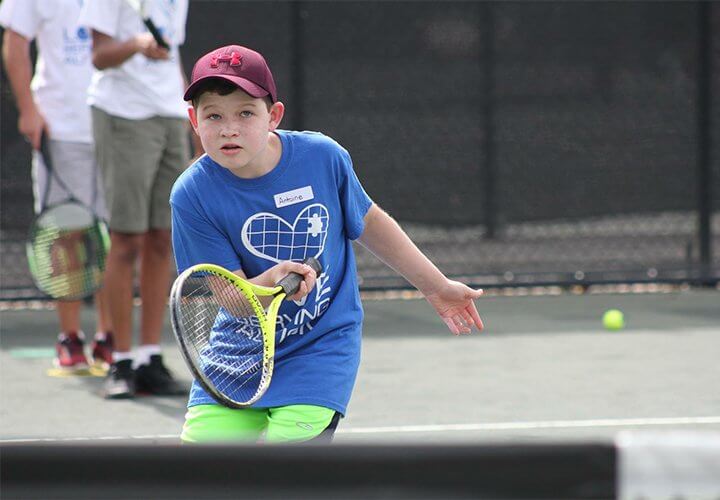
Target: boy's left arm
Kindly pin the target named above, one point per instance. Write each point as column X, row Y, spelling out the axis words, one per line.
column 452, row 300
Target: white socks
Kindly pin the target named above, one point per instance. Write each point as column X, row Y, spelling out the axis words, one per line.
column 143, row 353
column 121, row 356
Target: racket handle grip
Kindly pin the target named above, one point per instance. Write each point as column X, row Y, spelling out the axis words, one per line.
column 291, row 282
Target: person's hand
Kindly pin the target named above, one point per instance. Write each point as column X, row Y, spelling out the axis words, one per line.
column 31, row 125
column 279, row 271
column 147, row 46
column 454, row 303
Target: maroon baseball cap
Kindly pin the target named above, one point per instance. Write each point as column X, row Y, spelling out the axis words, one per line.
column 239, row 65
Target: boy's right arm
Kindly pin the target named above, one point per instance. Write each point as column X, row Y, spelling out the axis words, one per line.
column 107, row 52
column 273, row 275
column 18, row 65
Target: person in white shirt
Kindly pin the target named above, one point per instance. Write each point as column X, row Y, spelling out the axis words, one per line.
column 51, row 100
column 142, row 142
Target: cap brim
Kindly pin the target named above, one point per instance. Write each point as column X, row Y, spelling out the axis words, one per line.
column 251, row 88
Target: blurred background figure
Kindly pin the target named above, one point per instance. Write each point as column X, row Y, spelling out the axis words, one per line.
column 141, row 134
column 51, row 100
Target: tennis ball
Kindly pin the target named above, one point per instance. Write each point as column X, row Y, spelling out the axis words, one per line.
column 613, row 319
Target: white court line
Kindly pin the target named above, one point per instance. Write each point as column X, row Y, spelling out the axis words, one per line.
column 499, row 426
column 553, row 424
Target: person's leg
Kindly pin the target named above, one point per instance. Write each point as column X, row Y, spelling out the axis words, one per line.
column 119, row 278
column 77, row 166
column 104, row 341
column 152, row 375
column 68, row 312
column 218, row 424
column 156, row 267
column 70, row 345
column 70, row 342
column 126, row 151
column 301, row 423
column 155, row 274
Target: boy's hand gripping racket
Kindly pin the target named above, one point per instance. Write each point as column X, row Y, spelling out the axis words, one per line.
column 225, row 334
column 67, row 243
column 139, row 7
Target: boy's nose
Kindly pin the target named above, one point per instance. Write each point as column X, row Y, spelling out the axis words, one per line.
column 230, row 132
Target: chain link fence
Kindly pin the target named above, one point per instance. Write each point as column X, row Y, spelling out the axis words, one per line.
column 518, row 143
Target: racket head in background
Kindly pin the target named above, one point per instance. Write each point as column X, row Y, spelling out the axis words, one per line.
column 225, row 334
column 66, row 249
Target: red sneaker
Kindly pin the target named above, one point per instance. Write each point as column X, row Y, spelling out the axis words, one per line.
column 70, row 350
column 102, row 349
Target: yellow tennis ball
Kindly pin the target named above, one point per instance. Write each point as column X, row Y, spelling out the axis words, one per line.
column 613, row 319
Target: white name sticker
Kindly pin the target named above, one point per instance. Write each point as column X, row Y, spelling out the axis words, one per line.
column 295, row 196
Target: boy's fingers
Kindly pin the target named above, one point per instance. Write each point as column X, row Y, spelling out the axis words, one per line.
column 302, row 291
column 472, row 310
column 462, row 325
column 451, row 325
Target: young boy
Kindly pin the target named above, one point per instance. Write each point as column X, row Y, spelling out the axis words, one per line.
column 262, row 199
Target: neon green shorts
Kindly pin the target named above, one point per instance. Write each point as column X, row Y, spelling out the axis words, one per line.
column 215, row 423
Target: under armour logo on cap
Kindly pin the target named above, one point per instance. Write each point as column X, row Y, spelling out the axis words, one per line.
column 234, row 58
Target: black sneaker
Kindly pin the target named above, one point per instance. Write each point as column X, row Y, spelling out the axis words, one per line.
column 120, row 381
column 155, row 378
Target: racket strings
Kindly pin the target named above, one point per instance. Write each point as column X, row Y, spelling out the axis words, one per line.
column 66, row 251
column 223, row 335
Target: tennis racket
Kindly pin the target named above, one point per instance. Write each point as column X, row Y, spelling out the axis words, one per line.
column 226, row 335
column 67, row 243
column 139, row 7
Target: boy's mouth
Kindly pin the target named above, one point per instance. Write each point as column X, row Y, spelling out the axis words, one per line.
column 230, row 147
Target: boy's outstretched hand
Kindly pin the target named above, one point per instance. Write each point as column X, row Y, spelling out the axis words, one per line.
column 454, row 303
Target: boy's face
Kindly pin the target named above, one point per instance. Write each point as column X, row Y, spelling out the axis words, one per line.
column 234, row 131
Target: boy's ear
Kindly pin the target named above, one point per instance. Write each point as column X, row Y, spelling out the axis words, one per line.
column 193, row 116
column 277, row 111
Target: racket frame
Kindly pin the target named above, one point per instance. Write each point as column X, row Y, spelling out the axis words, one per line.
column 267, row 319
column 97, row 223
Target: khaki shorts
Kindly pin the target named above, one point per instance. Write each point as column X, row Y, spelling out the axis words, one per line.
column 139, row 160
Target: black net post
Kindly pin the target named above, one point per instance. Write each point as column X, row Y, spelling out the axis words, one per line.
column 488, row 100
column 704, row 103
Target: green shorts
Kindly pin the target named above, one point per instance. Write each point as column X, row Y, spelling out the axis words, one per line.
column 293, row 423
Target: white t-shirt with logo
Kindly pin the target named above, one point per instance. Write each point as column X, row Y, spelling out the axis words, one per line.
column 140, row 87
column 63, row 68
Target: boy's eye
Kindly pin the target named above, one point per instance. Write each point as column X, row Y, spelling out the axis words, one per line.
column 247, row 114
column 213, row 116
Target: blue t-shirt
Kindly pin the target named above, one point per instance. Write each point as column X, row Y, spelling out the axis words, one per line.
column 310, row 204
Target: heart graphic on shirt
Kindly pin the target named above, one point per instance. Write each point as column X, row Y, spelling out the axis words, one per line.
column 271, row 237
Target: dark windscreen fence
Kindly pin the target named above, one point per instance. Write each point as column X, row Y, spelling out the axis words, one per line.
column 557, row 471
column 517, row 143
